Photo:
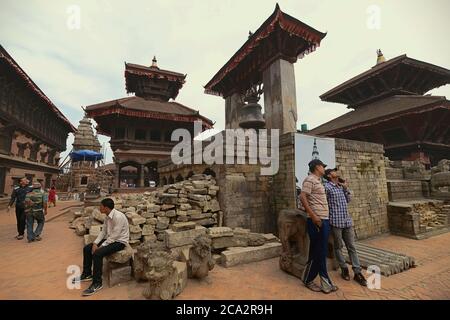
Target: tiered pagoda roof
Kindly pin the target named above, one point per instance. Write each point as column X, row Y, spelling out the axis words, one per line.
column 390, row 108
column 152, row 82
column 398, row 76
column 144, row 108
column 153, row 88
column 381, row 111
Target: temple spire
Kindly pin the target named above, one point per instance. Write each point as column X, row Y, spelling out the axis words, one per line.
column 380, row 57
column 154, row 62
column 315, row 152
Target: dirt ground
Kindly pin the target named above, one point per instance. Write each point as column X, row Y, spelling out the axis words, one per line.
column 39, row 271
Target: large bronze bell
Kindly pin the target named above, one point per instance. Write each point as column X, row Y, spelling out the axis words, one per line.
column 250, row 114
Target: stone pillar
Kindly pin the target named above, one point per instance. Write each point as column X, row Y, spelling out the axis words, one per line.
column 280, row 103
column 232, row 105
column 141, row 176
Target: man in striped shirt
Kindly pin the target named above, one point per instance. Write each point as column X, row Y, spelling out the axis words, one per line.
column 314, row 200
column 338, row 196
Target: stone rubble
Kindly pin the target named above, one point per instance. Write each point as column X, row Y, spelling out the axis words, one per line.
column 176, row 207
column 168, row 220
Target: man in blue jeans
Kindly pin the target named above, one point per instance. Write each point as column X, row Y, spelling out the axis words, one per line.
column 18, row 196
column 338, row 196
column 36, row 210
column 314, row 201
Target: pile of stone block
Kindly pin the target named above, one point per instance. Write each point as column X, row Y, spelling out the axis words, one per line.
column 431, row 214
column 152, row 213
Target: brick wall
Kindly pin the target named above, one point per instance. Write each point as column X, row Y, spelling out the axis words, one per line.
column 405, row 190
column 252, row 201
column 362, row 163
column 283, row 191
column 244, row 195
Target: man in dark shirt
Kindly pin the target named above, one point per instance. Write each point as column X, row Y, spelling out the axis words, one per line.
column 18, row 196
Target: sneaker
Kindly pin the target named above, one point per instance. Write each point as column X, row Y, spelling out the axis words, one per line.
column 345, row 274
column 327, row 286
column 93, row 288
column 82, row 278
column 313, row 287
column 360, row 279
column 38, row 238
column 30, row 240
column 19, row 237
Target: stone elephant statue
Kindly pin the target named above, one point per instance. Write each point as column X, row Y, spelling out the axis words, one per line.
column 293, row 235
column 294, row 241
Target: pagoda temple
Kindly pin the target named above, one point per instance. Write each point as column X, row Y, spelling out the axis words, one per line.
column 390, row 107
column 140, row 126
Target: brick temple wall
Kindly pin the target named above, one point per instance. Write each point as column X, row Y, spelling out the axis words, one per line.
column 244, row 196
column 362, row 163
column 405, row 190
column 252, row 201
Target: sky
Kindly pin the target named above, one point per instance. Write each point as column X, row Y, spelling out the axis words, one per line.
column 325, row 147
column 78, row 62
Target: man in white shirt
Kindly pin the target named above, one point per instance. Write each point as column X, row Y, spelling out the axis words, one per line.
column 113, row 237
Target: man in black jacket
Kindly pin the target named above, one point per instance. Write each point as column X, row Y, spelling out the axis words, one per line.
column 18, row 196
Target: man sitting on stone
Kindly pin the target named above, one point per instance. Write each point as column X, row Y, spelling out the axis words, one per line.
column 338, row 195
column 314, row 200
column 113, row 237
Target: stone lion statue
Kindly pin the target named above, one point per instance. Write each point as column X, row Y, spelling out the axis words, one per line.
column 200, row 259
column 160, row 276
column 140, row 263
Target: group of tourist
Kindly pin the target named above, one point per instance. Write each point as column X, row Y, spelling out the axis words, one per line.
column 325, row 202
column 31, row 203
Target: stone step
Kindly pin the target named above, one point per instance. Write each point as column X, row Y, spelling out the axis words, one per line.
column 240, row 255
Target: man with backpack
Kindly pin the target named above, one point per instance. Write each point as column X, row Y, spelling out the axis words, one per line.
column 36, row 210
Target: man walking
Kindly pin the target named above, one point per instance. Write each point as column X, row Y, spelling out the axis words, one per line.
column 314, row 200
column 35, row 210
column 18, row 196
column 338, row 196
column 113, row 237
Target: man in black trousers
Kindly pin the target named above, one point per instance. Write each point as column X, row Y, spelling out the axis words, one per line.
column 18, row 196
column 113, row 237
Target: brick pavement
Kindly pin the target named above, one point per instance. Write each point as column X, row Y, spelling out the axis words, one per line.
column 38, row 271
